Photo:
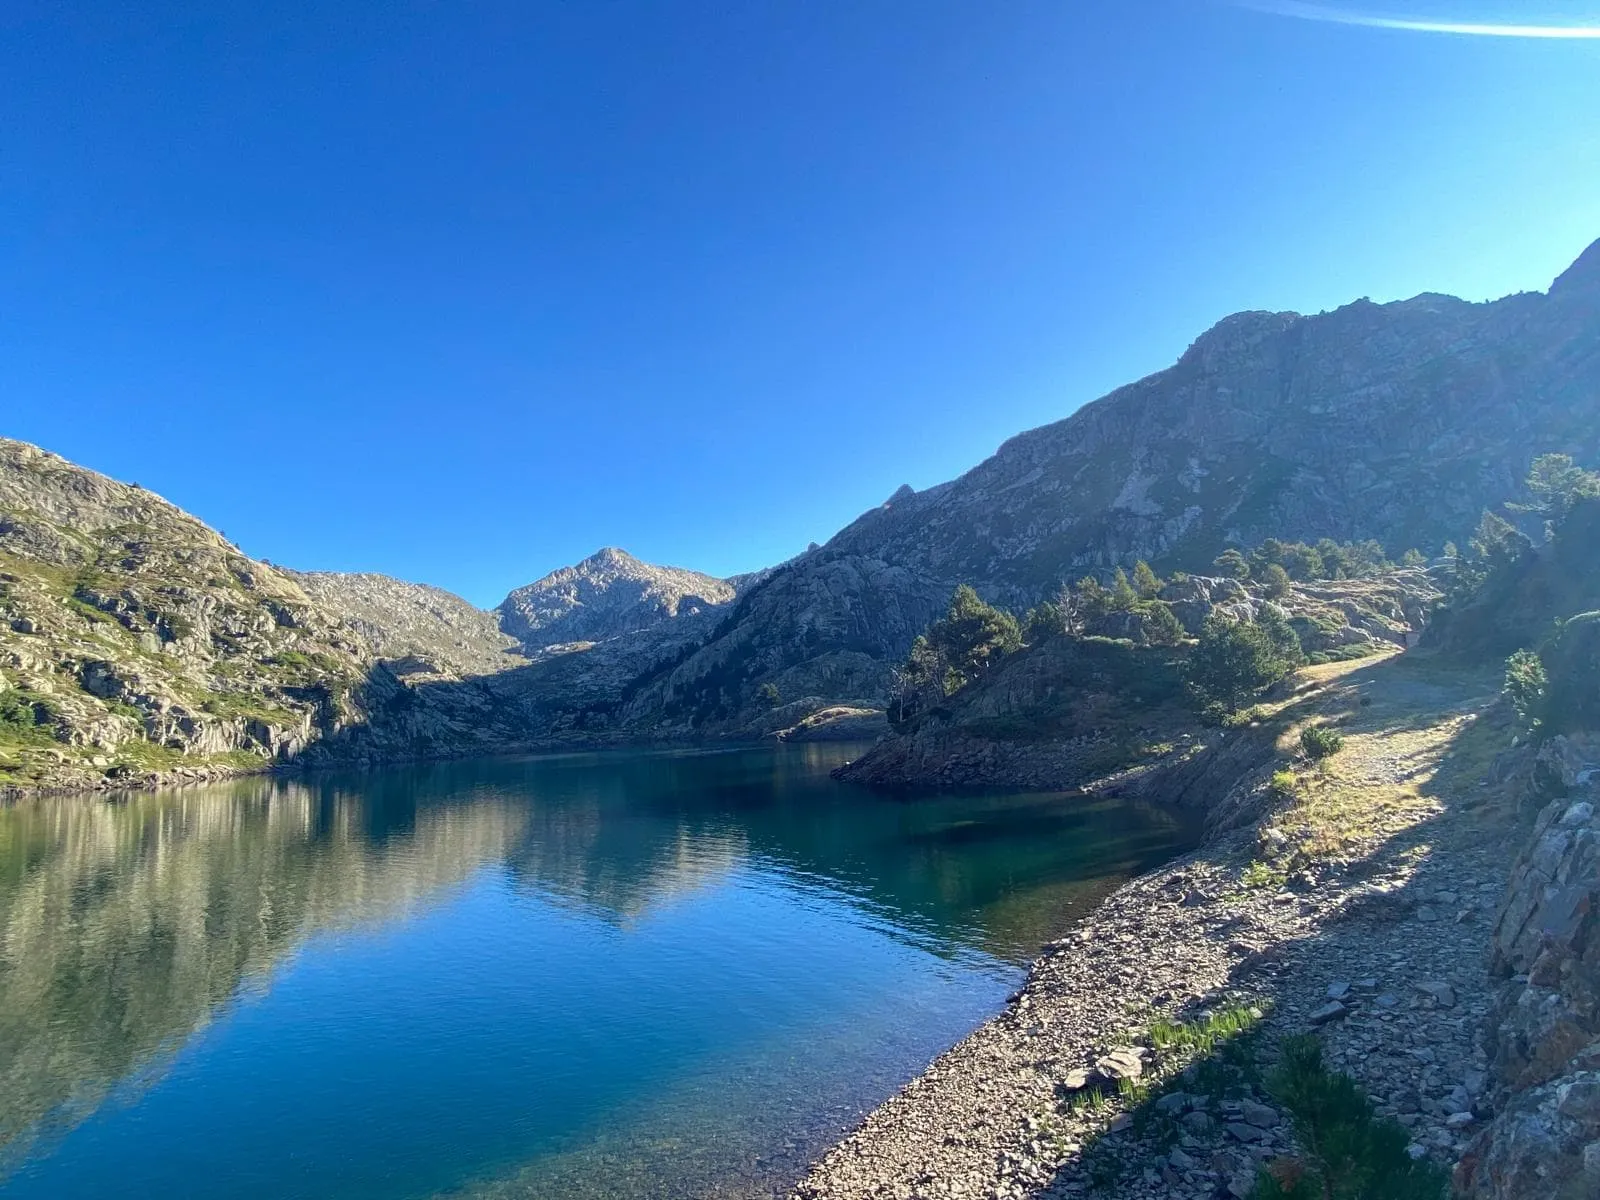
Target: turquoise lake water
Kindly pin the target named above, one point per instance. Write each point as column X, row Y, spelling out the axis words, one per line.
column 603, row 975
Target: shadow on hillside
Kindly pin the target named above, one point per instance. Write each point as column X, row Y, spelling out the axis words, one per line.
column 1474, row 776
column 544, row 705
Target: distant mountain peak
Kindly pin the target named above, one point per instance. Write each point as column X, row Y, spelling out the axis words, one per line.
column 1582, row 276
column 608, row 594
column 611, row 556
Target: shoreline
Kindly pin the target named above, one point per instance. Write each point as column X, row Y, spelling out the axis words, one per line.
column 1396, row 926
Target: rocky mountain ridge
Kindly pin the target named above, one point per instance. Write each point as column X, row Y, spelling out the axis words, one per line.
column 1399, row 422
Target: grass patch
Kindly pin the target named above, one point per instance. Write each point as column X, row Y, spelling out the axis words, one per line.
column 1261, row 875
column 1351, row 1153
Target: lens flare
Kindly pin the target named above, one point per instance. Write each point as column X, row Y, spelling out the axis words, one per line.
column 1336, row 16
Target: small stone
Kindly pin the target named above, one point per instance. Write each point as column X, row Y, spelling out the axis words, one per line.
column 1459, row 1120
column 1417, row 1151
column 1120, row 1122
column 1181, row 1161
column 1427, row 913
column 1077, row 1079
column 1197, row 1122
column 1125, row 1062
column 1259, row 1115
column 1338, row 991
column 1172, row 1104
column 1245, row 1133
column 1388, row 1000
column 1332, row 1011
column 1443, row 994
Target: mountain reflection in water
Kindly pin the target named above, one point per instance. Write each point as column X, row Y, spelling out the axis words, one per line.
column 702, row 962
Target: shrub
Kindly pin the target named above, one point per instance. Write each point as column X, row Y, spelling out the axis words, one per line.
column 1275, row 580
column 1042, row 622
column 1526, row 685
column 1159, row 624
column 1351, row 1154
column 1231, row 564
column 1284, row 784
column 768, row 695
column 1572, row 660
column 1318, row 741
column 1233, row 661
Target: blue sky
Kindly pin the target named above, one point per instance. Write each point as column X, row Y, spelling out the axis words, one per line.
column 461, row 292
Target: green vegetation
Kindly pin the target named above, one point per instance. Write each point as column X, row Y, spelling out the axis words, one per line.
column 1275, row 581
column 1527, row 687
column 1351, row 1154
column 1533, row 604
column 1318, row 741
column 1235, row 660
column 1145, row 581
column 768, row 695
column 1328, row 559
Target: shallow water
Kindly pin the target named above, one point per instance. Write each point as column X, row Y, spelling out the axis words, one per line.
column 620, row 975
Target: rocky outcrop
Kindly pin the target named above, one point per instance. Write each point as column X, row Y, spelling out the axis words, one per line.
column 1074, row 712
column 1544, row 1035
column 421, row 630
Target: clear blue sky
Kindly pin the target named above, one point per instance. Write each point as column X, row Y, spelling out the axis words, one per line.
column 463, row 291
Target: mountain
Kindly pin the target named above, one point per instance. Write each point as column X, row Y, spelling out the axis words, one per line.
column 431, row 630
column 137, row 644
column 1399, row 422
column 610, row 594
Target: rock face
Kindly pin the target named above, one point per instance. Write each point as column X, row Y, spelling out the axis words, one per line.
column 1544, row 1035
column 1399, row 422
column 427, row 629
column 610, row 594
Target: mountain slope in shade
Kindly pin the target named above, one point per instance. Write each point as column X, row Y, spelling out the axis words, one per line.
column 1399, row 422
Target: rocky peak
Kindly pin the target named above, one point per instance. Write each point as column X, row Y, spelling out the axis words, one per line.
column 1582, row 278
column 607, row 595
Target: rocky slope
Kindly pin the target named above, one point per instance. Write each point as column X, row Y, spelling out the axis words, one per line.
column 1399, row 422
column 137, row 645
column 1070, row 710
column 429, row 630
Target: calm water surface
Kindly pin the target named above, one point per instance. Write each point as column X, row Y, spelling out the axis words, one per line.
column 619, row 975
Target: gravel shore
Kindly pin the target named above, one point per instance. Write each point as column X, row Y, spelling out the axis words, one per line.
column 1377, row 939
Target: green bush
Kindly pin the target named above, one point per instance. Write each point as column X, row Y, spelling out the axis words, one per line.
column 1526, row 686
column 1275, row 581
column 1161, row 624
column 1351, row 1153
column 1234, row 661
column 1318, row 741
column 1232, row 565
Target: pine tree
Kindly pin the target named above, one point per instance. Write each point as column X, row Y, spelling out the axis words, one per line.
column 1145, row 581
